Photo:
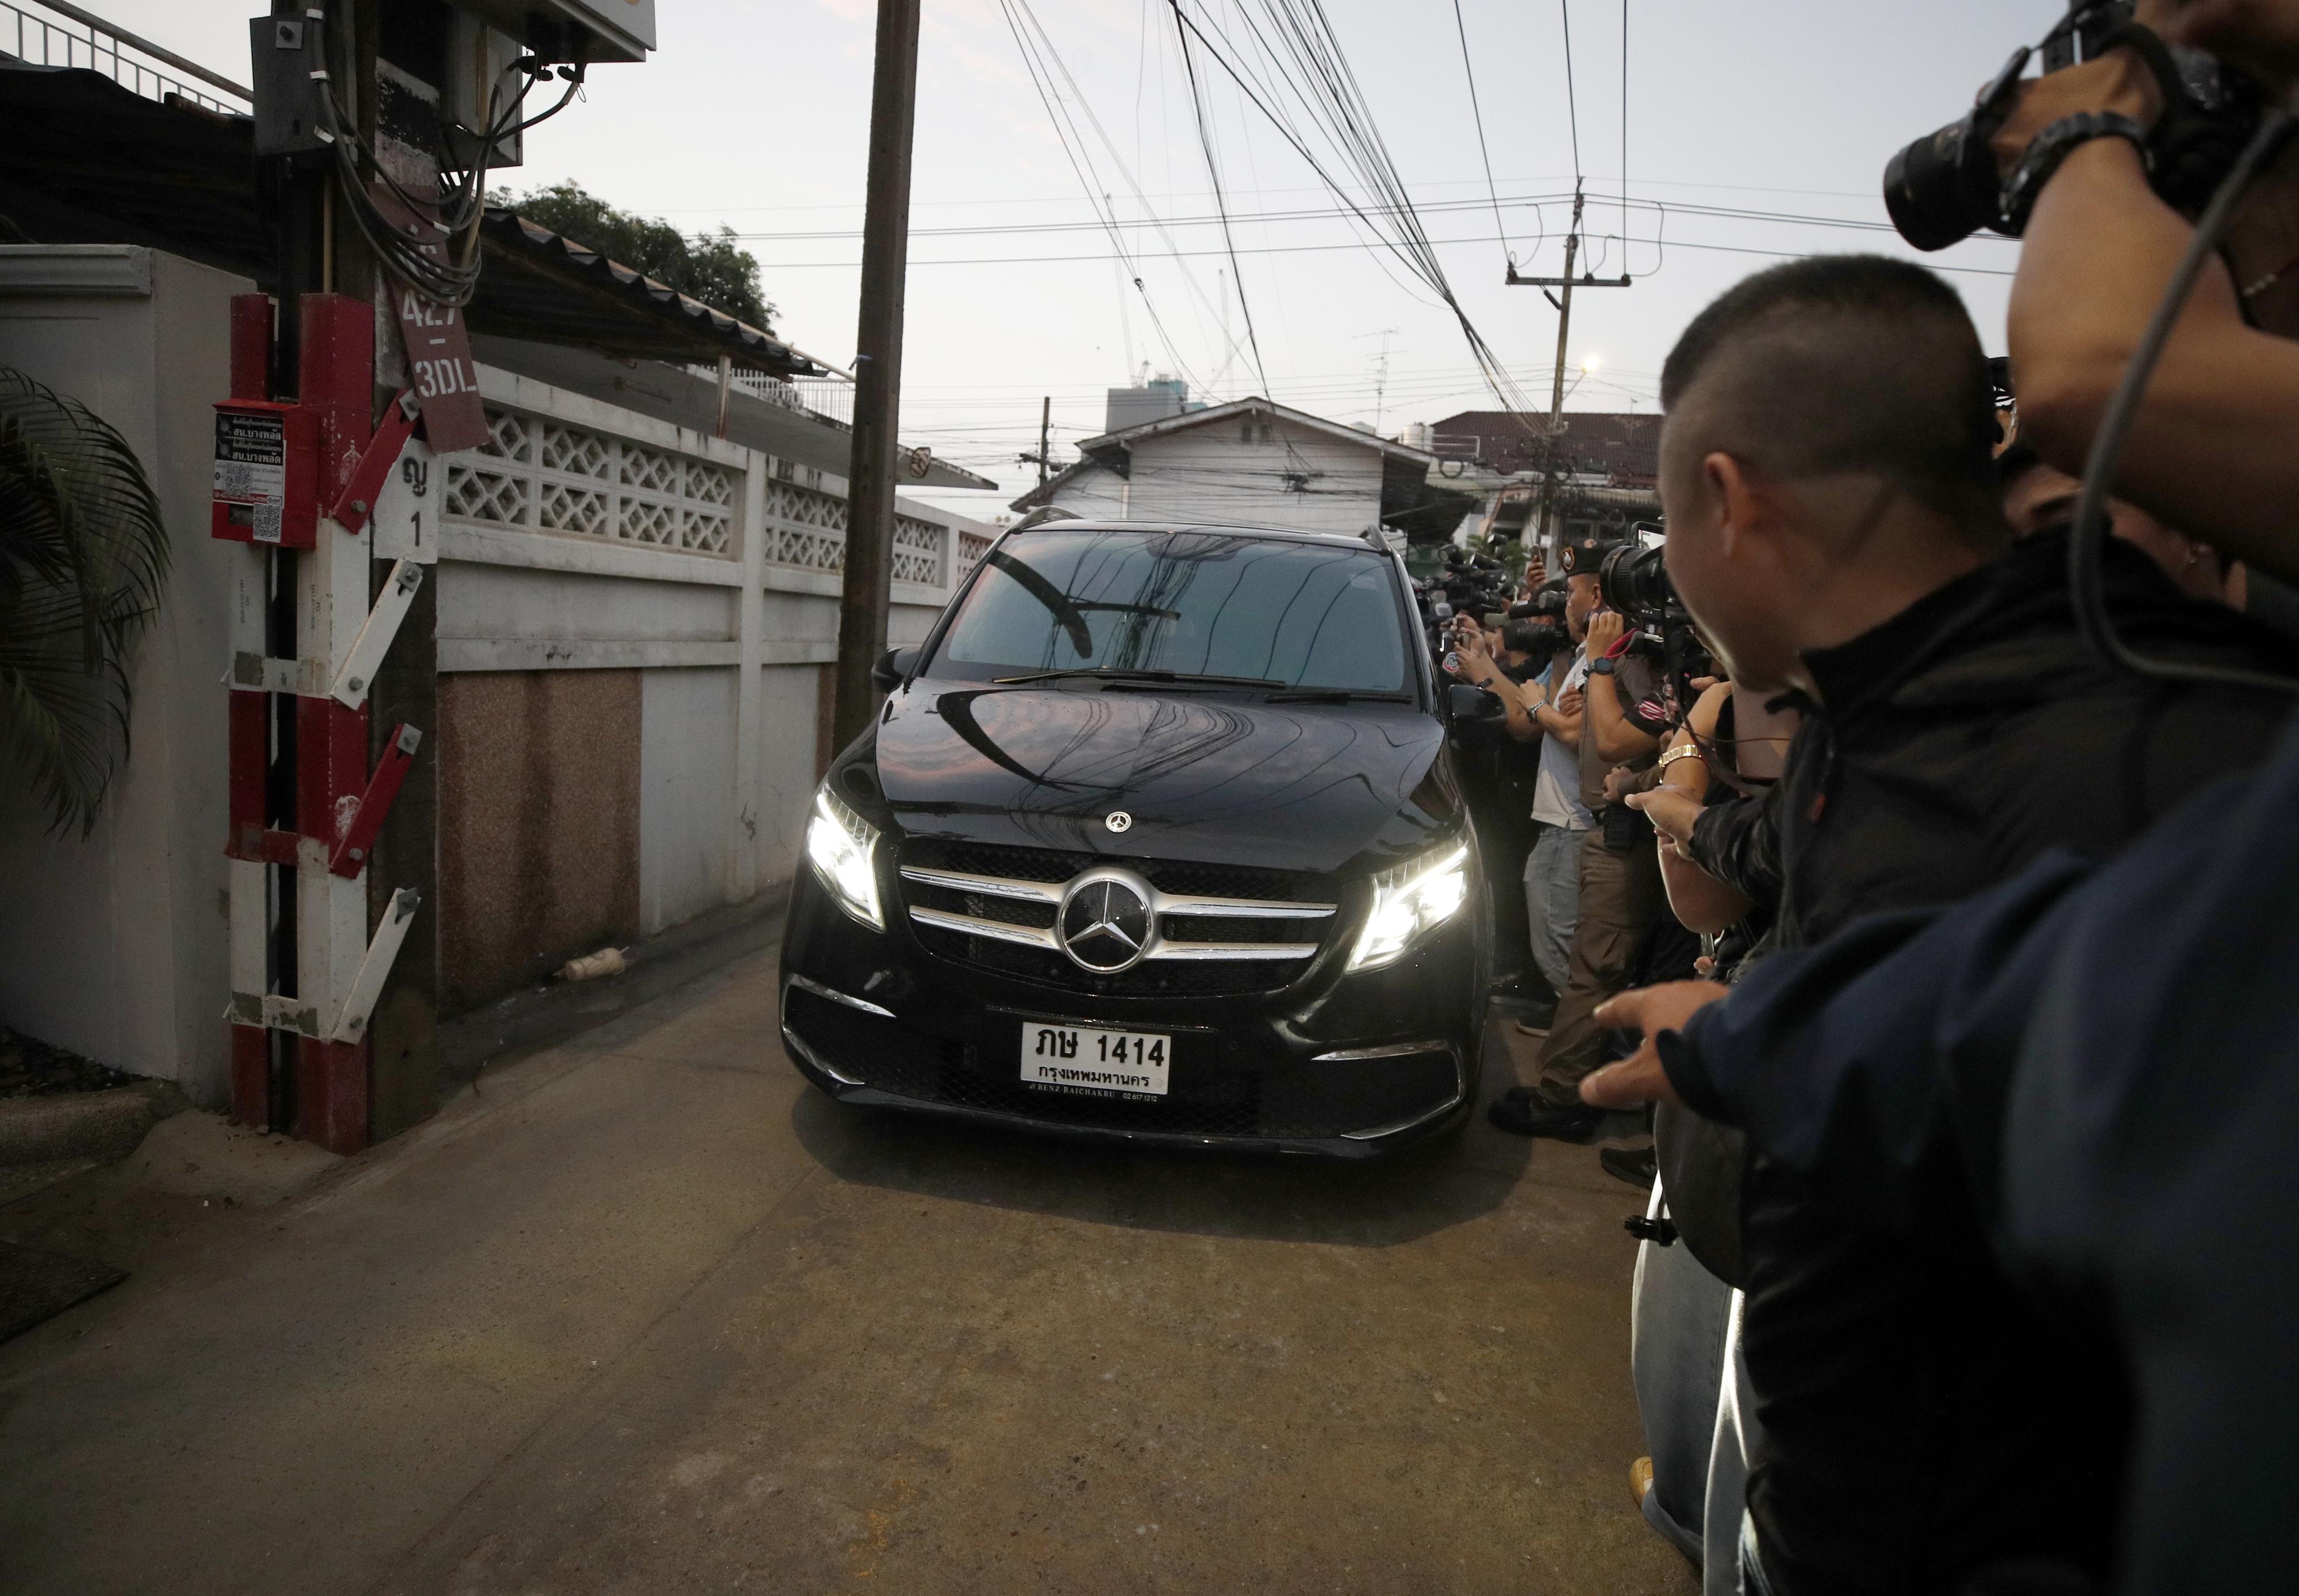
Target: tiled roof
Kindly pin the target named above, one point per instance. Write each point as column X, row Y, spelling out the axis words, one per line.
column 85, row 161
column 1625, row 447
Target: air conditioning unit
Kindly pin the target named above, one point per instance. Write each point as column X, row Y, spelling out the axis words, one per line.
column 590, row 30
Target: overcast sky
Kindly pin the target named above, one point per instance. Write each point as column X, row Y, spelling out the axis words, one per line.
column 753, row 114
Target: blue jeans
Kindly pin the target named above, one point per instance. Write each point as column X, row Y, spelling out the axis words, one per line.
column 1552, row 899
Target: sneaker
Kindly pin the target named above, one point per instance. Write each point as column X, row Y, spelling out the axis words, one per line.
column 1523, row 1112
column 1640, row 1166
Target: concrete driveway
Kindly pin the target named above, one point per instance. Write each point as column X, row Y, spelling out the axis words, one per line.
column 645, row 1315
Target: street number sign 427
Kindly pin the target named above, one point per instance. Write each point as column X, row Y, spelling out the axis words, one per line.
column 440, row 368
column 447, row 372
column 437, row 340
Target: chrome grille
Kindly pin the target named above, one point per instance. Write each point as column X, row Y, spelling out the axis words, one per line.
column 1002, row 918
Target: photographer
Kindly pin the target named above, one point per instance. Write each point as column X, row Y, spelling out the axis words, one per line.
column 1833, row 525
column 1617, row 887
column 2076, row 1055
column 1502, row 768
column 1547, row 709
column 2211, row 448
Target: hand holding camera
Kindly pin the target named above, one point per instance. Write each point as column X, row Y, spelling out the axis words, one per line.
column 1606, row 628
column 2106, row 74
column 2117, row 84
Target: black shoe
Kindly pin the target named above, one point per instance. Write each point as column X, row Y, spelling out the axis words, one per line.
column 1524, row 1113
column 1640, row 1167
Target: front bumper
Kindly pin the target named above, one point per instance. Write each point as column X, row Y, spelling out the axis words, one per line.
column 1342, row 1066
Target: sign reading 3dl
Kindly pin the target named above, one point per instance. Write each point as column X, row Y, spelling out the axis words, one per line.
column 438, row 341
column 440, row 368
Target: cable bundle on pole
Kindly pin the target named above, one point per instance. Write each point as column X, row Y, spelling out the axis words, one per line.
column 452, row 276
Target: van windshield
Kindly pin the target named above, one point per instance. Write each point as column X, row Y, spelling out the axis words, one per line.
column 1196, row 604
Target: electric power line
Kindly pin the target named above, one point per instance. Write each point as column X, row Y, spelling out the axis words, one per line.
column 1212, row 174
column 1484, row 155
column 1572, row 105
column 1305, row 249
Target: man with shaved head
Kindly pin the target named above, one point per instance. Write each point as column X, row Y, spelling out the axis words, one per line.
column 1834, row 526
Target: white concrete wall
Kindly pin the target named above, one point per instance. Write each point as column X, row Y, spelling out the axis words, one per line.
column 686, row 796
column 1299, row 479
column 784, row 758
column 114, row 947
column 726, row 771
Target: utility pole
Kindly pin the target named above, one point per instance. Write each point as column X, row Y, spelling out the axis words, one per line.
column 1043, row 459
column 1548, row 538
column 877, row 370
column 1563, row 331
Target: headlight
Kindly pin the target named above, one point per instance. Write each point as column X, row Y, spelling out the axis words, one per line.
column 1408, row 902
column 843, row 847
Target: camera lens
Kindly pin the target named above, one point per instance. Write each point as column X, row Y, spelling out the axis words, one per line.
column 1928, row 191
column 1633, row 580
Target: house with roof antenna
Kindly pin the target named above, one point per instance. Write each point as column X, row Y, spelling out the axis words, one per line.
column 1251, row 462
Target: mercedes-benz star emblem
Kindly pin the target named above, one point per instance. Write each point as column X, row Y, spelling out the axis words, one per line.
column 1117, row 819
column 1105, row 925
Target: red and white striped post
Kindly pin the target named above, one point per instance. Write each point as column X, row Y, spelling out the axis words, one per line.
column 287, row 480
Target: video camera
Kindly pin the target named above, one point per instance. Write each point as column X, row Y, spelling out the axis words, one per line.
column 1945, row 186
column 1473, row 586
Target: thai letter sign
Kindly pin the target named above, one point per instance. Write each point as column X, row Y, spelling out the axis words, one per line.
column 266, row 483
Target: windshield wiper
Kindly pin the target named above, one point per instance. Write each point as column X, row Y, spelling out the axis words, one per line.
column 1114, row 673
column 1338, row 696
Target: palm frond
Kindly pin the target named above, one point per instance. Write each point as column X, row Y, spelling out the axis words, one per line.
column 84, row 558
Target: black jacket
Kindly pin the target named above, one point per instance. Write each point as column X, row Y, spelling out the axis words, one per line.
column 1919, row 1420
column 2103, row 1064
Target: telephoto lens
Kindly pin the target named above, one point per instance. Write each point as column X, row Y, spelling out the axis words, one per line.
column 1943, row 188
column 1633, row 580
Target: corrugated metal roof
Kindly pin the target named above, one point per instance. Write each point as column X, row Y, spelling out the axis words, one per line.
column 1612, row 443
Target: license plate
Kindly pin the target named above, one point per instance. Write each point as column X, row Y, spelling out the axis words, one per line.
column 1073, row 1058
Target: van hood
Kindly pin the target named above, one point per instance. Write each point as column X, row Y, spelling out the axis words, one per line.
column 1204, row 777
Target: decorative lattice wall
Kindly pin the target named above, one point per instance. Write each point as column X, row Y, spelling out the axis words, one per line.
column 806, row 528
column 546, row 475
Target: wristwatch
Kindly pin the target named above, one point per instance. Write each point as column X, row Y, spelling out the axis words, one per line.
column 2052, row 147
column 1603, row 667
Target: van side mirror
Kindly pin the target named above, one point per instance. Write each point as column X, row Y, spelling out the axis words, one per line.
column 893, row 666
column 1464, row 702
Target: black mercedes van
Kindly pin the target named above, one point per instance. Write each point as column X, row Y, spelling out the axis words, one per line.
column 1157, row 839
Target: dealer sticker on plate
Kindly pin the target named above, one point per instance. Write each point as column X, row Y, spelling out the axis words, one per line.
column 1069, row 1058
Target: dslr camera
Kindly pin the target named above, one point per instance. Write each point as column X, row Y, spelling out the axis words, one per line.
column 1633, row 580
column 1945, row 188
